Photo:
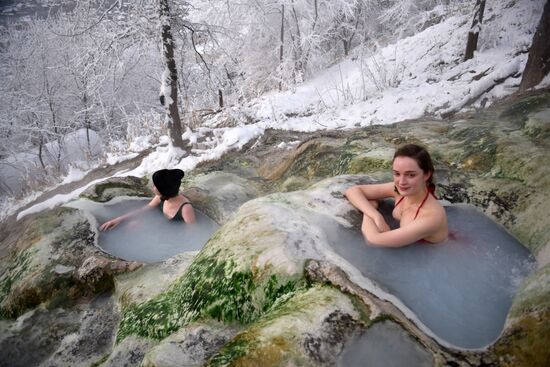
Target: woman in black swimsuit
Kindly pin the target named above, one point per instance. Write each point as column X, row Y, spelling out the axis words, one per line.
column 412, row 189
column 174, row 206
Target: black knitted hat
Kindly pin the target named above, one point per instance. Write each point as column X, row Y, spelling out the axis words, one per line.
column 168, row 181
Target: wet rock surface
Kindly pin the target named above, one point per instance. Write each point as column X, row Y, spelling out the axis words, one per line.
column 79, row 336
column 191, row 346
column 265, row 289
column 118, row 186
column 219, row 194
column 54, row 259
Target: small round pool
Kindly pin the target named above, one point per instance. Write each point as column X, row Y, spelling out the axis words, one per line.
column 147, row 237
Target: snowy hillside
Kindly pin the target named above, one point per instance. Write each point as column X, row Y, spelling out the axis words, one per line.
column 417, row 76
column 423, row 74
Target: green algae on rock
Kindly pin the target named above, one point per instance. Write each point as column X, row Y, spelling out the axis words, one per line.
column 210, row 288
column 534, row 296
column 525, row 340
column 54, row 260
column 308, row 330
column 192, row 345
column 151, row 279
column 16, row 270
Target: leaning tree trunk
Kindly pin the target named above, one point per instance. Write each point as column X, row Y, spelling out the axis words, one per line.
column 473, row 34
column 538, row 62
column 168, row 50
column 282, row 43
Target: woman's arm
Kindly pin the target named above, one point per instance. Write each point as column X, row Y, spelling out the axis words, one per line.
column 360, row 196
column 116, row 221
column 415, row 231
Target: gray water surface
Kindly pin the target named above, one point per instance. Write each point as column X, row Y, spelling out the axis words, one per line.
column 384, row 344
column 461, row 289
column 148, row 237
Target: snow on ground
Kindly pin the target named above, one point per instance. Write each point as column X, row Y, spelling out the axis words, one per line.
column 76, row 151
column 414, row 77
column 417, row 76
column 166, row 156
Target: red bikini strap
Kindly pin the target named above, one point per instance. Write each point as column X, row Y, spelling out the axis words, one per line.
column 422, row 203
column 398, row 201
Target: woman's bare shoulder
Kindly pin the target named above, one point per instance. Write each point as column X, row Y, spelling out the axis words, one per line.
column 432, row 209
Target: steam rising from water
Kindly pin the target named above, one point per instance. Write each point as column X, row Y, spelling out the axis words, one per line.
column 148, row 237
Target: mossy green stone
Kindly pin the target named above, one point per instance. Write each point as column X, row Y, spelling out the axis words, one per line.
column 534, row 295
column 316, row 161
column 17, row 269
column 276, row 338
column 210, row 288
column 520, row 109
column 525, row 344
column 367, row 165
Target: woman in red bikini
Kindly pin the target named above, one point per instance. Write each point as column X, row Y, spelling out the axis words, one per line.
column 172, row 204
column 420, row 215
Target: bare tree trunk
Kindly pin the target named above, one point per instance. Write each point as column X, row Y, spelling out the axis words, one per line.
column 168, row 50
column 538, row 62
column 40, row 139
column 282, row 41
column 346, row 47
column 347, row 41
column 306, row 57
column 220, row 98
column 473, row 34
column 298, row 49
column 56, row 130
column 87, row 124
column 40, row 146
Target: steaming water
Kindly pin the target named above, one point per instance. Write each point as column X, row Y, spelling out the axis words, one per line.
column 384, row 344
column 461, row 289
column 148, row 237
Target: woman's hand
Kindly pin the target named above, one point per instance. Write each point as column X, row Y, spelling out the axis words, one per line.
column 110, row 224
column 381, row 223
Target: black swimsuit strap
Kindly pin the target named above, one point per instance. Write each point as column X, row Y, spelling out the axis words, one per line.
column 182, row 205
column 178, row 212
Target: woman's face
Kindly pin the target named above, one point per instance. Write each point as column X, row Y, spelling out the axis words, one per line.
column 408, row 177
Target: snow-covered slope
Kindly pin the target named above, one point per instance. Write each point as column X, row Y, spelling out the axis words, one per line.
column 419, row 75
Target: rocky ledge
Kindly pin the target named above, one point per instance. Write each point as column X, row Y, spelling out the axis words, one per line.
column 265, row 289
